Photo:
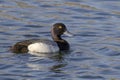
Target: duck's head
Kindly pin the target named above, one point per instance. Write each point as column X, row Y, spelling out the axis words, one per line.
column 59, row 29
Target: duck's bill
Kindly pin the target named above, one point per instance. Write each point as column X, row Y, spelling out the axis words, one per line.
column 68, row 33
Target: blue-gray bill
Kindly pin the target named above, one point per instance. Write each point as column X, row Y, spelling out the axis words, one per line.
column 68, row 33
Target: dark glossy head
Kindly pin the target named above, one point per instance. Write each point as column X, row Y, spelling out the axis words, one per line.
column 59, row 28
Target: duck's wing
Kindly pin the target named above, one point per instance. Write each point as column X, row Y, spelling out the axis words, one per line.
column 22, row 47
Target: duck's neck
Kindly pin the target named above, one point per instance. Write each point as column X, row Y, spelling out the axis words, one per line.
column 63, row 44
column 57, row 38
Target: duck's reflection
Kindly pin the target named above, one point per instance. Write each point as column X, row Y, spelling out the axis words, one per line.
column 58, row 68
column 49, row 62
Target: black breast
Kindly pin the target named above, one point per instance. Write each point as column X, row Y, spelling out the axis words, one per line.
column 63, row 45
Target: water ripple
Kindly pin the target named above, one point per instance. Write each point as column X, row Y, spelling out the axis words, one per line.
column 95, row 48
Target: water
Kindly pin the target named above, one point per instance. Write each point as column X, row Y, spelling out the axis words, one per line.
column 95, row 48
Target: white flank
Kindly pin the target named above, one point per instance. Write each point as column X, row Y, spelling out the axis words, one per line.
column 42, row 48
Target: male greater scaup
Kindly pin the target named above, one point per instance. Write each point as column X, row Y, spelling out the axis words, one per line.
column 45, row 45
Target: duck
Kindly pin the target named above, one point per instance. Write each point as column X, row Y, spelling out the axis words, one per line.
column 45, row 45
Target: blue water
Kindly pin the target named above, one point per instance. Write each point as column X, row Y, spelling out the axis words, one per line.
column 95, row 48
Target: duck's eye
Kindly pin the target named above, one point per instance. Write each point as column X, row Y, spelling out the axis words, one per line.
column 60, row 27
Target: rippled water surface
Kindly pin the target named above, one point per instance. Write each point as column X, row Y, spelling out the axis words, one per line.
column 95, row 47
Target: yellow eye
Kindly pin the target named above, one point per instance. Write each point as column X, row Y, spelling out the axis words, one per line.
column 60, row 27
